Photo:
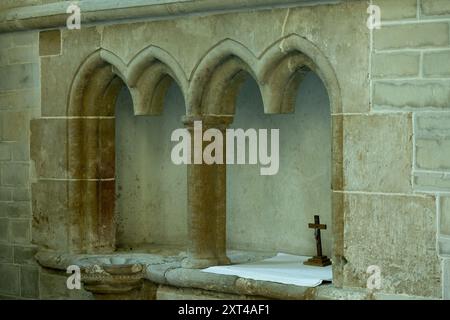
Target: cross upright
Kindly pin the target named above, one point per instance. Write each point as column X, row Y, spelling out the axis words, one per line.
column 318, row 260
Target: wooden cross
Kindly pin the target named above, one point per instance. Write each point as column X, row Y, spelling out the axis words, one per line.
column 319, row 260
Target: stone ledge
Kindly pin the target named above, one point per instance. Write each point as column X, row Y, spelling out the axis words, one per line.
column 54, row 15
column 166, row 272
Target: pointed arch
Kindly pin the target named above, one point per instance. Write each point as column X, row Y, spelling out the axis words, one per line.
column 283, row 64
column 149, row 75
column 216, row 80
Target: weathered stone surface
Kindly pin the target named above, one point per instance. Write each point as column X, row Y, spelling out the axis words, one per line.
column 25, row 98
column 53, row 285
column 20, row 151
column 14, row 174
column 273, row 290
column 331, row 292
column 21, row 194
column 4, row 230
column 82, row 211
column 397, row 10
column 445, row 216
column 396, row 233
column 5, row 194
column 78, row 152
column 411, row 94
column 395, row 65
column 24, row 254
column 378, row 153
column 436, row 64
column 50, row 218
column 50, row 43
column 49, row 152
column 12, row 209
column 23, row 55
column 433, row 154
column 444, row 246
column 412, row 36
column 431, row 181
column 172, row 293
column 20, row 231
column 9, row 279
column 14, row 120
column 446, row 279
column 55, row 90
column 6, row 253
column 29, row 282
column 435, row 7
column 201, row 280
column 19, row 76
column 5, row 151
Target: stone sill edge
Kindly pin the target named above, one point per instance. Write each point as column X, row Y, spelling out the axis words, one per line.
column 53, row 15
column 171, row 274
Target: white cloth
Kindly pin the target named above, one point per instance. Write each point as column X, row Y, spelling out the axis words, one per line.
column 283, row 268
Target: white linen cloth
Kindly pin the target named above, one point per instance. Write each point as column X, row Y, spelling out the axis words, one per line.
column 283, row 268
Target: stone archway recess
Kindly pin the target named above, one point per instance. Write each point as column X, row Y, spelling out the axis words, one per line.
column 210, row 94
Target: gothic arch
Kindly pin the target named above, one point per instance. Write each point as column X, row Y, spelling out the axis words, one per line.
column 91, row 134
column 278, row 71
column 216, row 80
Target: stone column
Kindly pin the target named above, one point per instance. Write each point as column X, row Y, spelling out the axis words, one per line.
column 206, row 200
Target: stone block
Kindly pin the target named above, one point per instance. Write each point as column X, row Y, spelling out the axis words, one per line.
column 444, row 246
column 23, row 55
column 435, row 7
column 91, row 154
column 433, row 154
column 378, row 153
column 26, row 98
column 24, row 254
column 395, row 65
column 5, row 194
column 431, row 181
column 29, row 282
column 49, row 43
column 55, row 90
column 436, row 64
column 15, row 209
column 53, row 285
column 446, row 279
column 4, row 230
column 9, row 279
column 5, row 151
column 20, row 151
column 14, row 174
column 21, row 194
column 20, row 231
column 19, row 76
column 50, row 215
column 16, row 126
column 5, row 41
column 6, row 253
column 445, row 216
column 25, row 38
column 398, row 95
column 49, row 147
column 412, row 36
column 397, row 10
column 396, row 233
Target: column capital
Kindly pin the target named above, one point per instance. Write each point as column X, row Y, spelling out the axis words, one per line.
column 209, row 120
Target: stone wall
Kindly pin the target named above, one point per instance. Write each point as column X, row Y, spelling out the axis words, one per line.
column 19, row 102
column 395, row 189
column 410, row 100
